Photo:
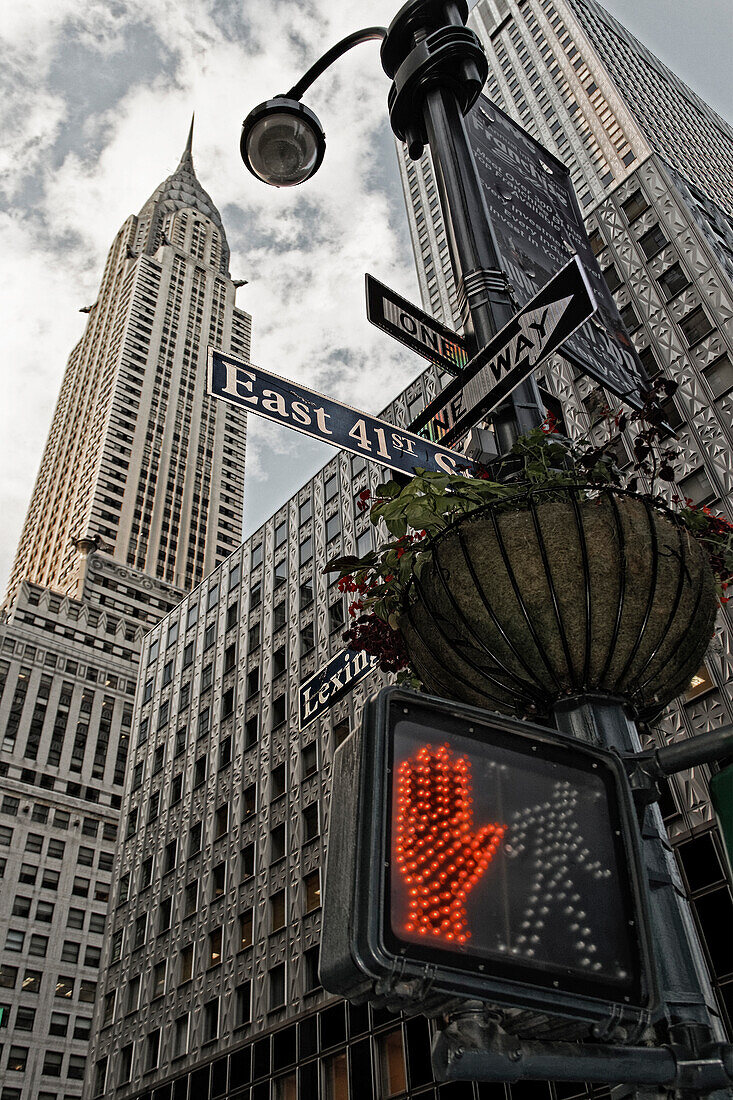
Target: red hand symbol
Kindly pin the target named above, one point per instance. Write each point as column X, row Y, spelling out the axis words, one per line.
column 437, row 852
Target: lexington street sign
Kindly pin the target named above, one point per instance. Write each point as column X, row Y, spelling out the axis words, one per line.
column 324, row 688
column 285, row 402
column 535, row 332
column 413, row 327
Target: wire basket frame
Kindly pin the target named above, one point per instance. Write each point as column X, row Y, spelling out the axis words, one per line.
column 620, row 600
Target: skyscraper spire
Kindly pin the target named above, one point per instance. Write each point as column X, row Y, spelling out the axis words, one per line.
column 186, row 161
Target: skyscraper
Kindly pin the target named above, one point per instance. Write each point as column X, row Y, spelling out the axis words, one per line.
column 134, row 438
column 210, row 985
column 127, row 514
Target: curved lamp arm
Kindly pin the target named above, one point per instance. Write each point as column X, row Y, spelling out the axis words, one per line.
column 355, row 39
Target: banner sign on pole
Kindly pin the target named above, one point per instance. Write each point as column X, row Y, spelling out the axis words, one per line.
column 537, row 224
column 324, row 688
column 285, row 402
column 412, row 326
column 539, row 329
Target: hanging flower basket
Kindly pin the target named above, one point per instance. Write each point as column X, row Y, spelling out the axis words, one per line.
column 561, row 591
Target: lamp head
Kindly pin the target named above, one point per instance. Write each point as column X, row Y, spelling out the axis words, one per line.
column 282, row 142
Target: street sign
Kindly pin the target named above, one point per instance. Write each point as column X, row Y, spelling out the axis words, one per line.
column 324, row 688
column 285, row 402
column 538, row 330
column 478, row 856
column 537, row 223
column 412, row 326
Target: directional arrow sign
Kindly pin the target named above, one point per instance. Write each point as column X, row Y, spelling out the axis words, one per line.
column 306, row 411
column 411, row 326
column 538, row 330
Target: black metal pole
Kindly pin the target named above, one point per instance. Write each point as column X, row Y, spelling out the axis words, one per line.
column 439, row 68
column 483, row 292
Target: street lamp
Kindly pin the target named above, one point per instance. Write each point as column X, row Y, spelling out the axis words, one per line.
column 438, row 68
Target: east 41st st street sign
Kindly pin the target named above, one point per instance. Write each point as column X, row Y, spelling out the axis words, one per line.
column 320, row 417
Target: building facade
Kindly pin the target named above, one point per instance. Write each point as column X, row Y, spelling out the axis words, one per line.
column 209, row 985
column 123, row 521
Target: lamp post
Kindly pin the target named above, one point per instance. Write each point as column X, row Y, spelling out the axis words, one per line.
column 438, row 68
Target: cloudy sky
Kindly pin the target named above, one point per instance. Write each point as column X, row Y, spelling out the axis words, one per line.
column 95, row 102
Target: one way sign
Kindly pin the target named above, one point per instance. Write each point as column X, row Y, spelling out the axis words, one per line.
column 540, row 327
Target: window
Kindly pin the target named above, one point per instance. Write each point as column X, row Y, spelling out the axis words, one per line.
column 246, row 929
column 209, row 635
column 180, row 1036
column 218, row 881
column 194, row 840
column 124, row 889
column 146, row 872
column 152, row 1049
column 279, row 661
column 719, row 376
column 97, row 922
column 256, row 556
column 255, row 596
column 92, row 956
column 190, row 899
column 276, row 986
column 116, row 951
column 336, row 615
column 32, row 981
column 88, row 992
column 307, row 638
column 44, row 911
column 215, row 941
column 176, row 790
column 277, row 782
column 140, row 930
column 14, row 940
column 332, row 487
column 221, row 821
column 629, row 318
column 281, row 533
column 199, row 771
column 312, row 883
column 309, row 760
column 64, row 986
column 158, row 979
column 335, row 1077
column 251, row 731
column 363, row 543
column 167, row 672
column 306, row 550
column 59, row 1023
column 305, row 510
column 186, row 964
column 51, row 1063
column 211, row 1020
column 306, row 593
column 248, row 860
column 188, row 654
column 34, row 843
column 230, row 657
column 244, row 1003
column 204, row 723
column 277, row 843
column 55, row 849
column 310, row 960
column 126, row 1055
column 634, row 206
column 8, row 976
column 253, row 636
column 82, row 1027
column 696, row 325
column 27, row 874
column 76, row 1067
column 278, row 616
column 310, row 822
column 100, row 1077
column 673, row 281
column 70, row 952
column 596, row 241
column 21, row 906
column 653, row 242
column 253, row 682
column 333, row 526
column 277, row 911
column 697, row 486
column 227, row 703
column 38, row 945
column 164, row 914
column 25, row 1018
column 612, row 277
column 249, row 800
column 278, row 710
column 391, row 1060
column 234, row 576
column 225, row 752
